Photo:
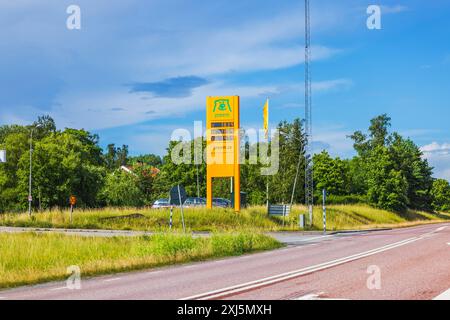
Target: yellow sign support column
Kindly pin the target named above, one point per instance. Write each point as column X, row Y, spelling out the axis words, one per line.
column 222, row 145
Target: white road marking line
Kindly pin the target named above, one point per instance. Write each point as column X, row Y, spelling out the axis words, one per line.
column 296, row 273
column 59, row 288
column 441, row 228
column 113, row 279
column 313, row 296
column 443, row 296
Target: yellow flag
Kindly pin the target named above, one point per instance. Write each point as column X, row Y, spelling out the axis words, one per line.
column 266, row 118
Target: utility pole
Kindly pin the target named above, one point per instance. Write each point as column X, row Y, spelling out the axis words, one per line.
column 30, row 197
column 309, row 183
column 30, row 178
column 324, row 207
column 198, row 186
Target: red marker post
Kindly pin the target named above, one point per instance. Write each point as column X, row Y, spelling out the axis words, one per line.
column 73, row 202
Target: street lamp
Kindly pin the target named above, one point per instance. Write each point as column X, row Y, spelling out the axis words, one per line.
column 30, row 196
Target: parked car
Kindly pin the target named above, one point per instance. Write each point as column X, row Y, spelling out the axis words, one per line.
column 221, row 202
column 195, row 202
column 161, row 203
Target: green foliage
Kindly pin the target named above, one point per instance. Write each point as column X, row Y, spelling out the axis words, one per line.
column 147, row 159
column 345, row 199
column 441, row 195
column 121, row 189
column 389, row 171
column 387, row 187
column 116, row 156
column 63, row 165
column 15, row 142
column 330, row 174
column 34, row 258
column 391, row 168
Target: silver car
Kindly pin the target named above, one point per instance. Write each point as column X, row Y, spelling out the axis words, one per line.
column 195, row 202
column 161, row 203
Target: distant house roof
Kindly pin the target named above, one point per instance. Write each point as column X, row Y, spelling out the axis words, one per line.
column 154, row 171
column 128, row 170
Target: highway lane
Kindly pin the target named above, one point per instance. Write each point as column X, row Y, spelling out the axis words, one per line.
column 413, row 263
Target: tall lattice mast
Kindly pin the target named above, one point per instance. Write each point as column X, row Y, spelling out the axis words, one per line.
column 309, row 183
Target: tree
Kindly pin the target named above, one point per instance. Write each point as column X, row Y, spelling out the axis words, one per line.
column 44, row 126
column 184, row 174
column 145, row 176
column 292, row 153
column 357, row 176
column 440, row 193
column 147, row 159
column 16, row 144
column 378, row 129
column 408, row 159
column 63, row 166
column 330, row 174
column 387, row 187
column 116, row 157
column 388, row 164
column 121, row 189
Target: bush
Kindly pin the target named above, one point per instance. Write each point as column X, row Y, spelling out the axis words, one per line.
column 348, row 199
column 121, row 190
column 441, row 195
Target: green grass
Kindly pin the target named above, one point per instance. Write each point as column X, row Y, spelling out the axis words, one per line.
column 344, row 217
column 339, row 217
column 29, row 258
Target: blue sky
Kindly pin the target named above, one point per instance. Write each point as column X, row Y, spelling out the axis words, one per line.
column 139, row 69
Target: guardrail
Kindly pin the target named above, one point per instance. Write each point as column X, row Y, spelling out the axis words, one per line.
column 279, row 210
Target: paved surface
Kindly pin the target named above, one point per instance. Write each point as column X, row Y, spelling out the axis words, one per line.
column 87, row 232
column 289, row 238
column 410, row 263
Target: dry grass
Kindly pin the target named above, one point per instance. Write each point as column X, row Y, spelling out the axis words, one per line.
column 339, row 217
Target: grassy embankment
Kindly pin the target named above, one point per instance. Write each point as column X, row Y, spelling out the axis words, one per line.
column 29, row 258
column 339, row 217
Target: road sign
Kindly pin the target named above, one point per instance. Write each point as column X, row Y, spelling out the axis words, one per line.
column 73, row 200
column 222, row 144
column 174, row 197
column 2, row 156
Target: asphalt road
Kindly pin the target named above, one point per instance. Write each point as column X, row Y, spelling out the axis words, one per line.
column 410, row 263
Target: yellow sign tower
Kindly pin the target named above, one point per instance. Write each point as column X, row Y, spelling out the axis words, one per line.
column 222, row 145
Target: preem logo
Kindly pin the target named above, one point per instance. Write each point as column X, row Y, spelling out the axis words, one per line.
column 222, row 105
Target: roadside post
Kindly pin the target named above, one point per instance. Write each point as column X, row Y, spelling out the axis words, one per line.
column 2, row 156
column 181, row 207
column 171, row 218
column 324, row 197
column 73, row 202
column 301, row 221
column 177, row 196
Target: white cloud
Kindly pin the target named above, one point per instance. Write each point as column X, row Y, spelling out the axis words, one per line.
column 334, row 139
column 438, row 156
column 92, row 110
column 436, row 148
